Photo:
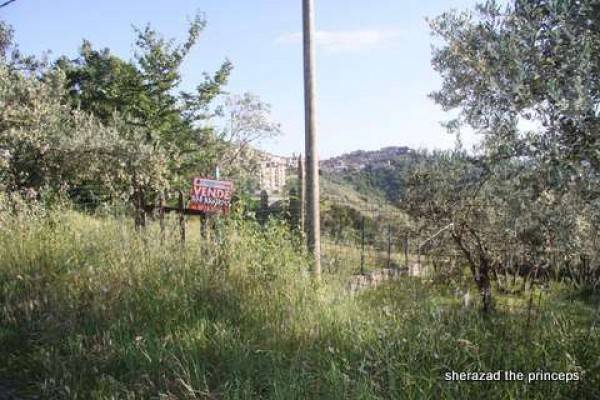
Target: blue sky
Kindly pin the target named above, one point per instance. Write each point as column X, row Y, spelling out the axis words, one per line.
column 373, row 59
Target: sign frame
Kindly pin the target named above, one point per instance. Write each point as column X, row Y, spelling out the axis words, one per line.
column 210, row 196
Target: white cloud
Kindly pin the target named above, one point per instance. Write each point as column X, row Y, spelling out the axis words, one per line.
column 346, row 40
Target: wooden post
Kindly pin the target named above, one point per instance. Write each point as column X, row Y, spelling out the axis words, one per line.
column 140, row 212
column 362, row 247
column 406, row 251
column 181, row 216
column 161, row 217
column 201, row 226
column 313, row 222
column 389, row 248
column 142, row 209
column 204, row 221
column 216, row 234
column 136, row 205
column 529, row 307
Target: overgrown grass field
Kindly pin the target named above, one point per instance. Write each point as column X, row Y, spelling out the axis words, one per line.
column 91, row 309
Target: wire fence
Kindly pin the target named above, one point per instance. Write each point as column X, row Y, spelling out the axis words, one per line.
column 361, row 246
column 354, row 239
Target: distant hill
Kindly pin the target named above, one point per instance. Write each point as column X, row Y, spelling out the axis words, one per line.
column 343, row 193
column 344, row 209
column 380, row 173
column 360, row 159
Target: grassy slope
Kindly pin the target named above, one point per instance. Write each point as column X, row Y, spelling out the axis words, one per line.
column 343, row 256
column 335, row 191
column 91, row 310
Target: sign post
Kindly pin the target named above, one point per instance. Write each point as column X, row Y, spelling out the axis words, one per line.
column 210, row 196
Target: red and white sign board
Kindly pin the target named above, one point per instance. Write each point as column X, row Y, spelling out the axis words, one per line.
column 211, row 196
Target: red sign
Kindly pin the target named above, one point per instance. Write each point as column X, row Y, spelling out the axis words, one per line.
column 211, row 196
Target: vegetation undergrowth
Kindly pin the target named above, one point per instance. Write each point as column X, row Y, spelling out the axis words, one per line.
column 92, row 309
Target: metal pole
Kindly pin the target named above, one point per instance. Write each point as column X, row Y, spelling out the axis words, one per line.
column 362, row 247
column 389, row 248
column 312, row 161
column 405, row 251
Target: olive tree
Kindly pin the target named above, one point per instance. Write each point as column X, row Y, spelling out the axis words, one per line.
column 525, row 77
column 45, row 144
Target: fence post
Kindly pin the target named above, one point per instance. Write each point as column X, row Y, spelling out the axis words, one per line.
column 181, row 216
column 216, row 229
column 136, row 205
column 201, row 227
column 389, row 248
column 362, row 247
column 405, row 251
column 142, row 209
column 140, row 212
column 529, row 307
column 514, row 267
column 161, row 217
column 206, row 220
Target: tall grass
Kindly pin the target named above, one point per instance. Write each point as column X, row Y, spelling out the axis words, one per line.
column 91, row 309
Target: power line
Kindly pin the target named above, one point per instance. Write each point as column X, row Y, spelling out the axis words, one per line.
column 7, row 3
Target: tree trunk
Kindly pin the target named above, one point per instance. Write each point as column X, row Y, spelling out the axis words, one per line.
column 483, row 283
column 486, row 293
column 480, row 272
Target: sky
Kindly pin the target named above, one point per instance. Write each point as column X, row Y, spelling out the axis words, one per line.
column 373, row 59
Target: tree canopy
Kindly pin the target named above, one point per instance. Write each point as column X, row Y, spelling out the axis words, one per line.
column 100, row 127
column 525, row 77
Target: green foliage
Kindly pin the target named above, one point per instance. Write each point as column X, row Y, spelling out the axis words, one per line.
column 45, row 145
column 529, row 192
column 91, row 309
column 98, row 128
column 294, row 214
column 143, row 93
column 534, row 61
column 263, row 211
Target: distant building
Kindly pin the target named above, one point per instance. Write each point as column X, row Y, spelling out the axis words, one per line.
column 272, row 172
column 292, row 163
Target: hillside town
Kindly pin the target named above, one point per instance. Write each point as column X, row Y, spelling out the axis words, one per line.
column 358, row 160
column 273, row 170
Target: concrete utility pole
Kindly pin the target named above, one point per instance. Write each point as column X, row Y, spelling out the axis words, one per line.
column 313, row 224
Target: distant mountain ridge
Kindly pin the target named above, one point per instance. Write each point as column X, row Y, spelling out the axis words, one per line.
column 360, row 159
column 383, row 171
